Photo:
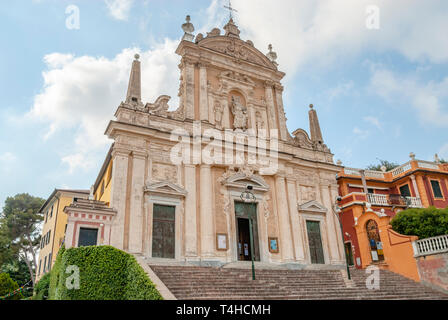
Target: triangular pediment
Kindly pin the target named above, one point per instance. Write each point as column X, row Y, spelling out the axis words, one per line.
column 242, row 180
column 312, row 206
column 165, row 187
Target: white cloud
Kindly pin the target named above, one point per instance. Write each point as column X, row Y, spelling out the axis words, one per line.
column 359, row 133
column 7, row 158
column 428, row 99
column 82, row 94
column 443, row 152
column 322, row 32
column 342, row 89
column 374, row 121
column 119, row 9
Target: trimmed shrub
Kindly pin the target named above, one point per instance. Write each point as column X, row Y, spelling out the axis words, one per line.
column 424, row 223
column 105, row 273
column 54, row 275
column 42, row 287
column 7, row 285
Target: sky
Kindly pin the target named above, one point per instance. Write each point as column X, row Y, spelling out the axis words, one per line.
column 376, row 72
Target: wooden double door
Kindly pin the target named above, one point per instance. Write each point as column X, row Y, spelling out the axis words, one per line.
column 315, row 242
column 163, row 231
column 242, row 213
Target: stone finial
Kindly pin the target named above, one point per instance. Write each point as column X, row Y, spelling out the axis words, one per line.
column 134, row 87
column 339, row 162
column 188, row 29
column 436, row 158
column 316, row 133
column 232, row 29
column 272, row 56
column 383, row 168
column 412, row 156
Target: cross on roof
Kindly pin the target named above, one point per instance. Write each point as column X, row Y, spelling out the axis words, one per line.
column 229, row 7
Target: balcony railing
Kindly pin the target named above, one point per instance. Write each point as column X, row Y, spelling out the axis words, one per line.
column 394, row 200
column 430, row 246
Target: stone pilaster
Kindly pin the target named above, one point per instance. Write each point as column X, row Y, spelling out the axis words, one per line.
column 281, row 112
column 191, row 245
column 414, row 184
column 189, row 90
column 118, row 195
column 286, row 248
column 295, row 222
column 203, row 96
column 136, row 202
column 272, row 120
column 206, row 213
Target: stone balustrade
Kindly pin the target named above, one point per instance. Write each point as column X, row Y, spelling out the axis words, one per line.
column 430, row 246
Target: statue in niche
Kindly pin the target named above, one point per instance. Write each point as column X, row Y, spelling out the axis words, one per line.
column 218, row 113
column 239, row 114
column 259, row 121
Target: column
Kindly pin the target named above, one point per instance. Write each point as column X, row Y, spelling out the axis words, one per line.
column 136, row 202
column 118, row 195
column 414, row 184
column 191, row 245
column 206, row 213
column 286, row 247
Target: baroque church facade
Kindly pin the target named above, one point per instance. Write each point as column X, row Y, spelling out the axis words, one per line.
column 143, row 202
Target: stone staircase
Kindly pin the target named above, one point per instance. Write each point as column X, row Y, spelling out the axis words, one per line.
column 208, row 283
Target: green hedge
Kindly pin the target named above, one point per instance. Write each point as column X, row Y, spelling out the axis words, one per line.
column 42, row 287
column 105, row 273
column 424, row 223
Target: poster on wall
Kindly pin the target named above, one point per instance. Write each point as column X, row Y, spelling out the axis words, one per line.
column 273, row 245
column 374, row 255
column 379, row 245
column 221, row 240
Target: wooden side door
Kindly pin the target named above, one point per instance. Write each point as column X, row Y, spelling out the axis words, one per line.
column 163, row 233
column 315, row 242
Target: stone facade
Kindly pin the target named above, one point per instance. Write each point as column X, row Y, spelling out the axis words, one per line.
column 225, row 84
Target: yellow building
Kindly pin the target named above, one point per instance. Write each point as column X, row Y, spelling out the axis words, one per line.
column 53, row 231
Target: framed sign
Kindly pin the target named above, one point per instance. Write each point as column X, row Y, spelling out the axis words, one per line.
column 221, row 242
column 273, row 245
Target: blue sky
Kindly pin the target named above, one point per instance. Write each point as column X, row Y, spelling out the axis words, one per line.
column 379, row 93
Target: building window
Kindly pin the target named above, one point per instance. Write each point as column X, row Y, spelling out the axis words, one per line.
column 102, row 189
column 48, row 237
column 46, row 216
column 436, row 191
column 109, row 174
column 370, row 190
column 40, row 263
column 49, row 262
column 51, row 212
column 45, row 264
column 405, row 191
column 87, row 237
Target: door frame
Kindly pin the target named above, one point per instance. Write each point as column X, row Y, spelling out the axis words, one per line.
column 256, row 236
column 178, row 223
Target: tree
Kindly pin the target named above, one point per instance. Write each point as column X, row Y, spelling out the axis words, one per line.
column 7, row 285
column 19, row 224
column 389, row 165
column 424, row 223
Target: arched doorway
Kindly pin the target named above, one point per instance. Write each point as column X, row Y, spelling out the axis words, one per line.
column 376, row 246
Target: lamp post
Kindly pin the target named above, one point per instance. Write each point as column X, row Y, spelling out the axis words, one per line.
column 336, row 211
column 248, row 197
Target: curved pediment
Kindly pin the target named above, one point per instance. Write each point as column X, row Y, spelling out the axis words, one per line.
column 302, row 139
column 238, row 49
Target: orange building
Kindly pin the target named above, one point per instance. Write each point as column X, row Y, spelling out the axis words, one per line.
column 370, row 199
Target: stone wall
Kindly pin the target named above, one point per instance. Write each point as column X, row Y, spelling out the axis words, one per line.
column 433, row 270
